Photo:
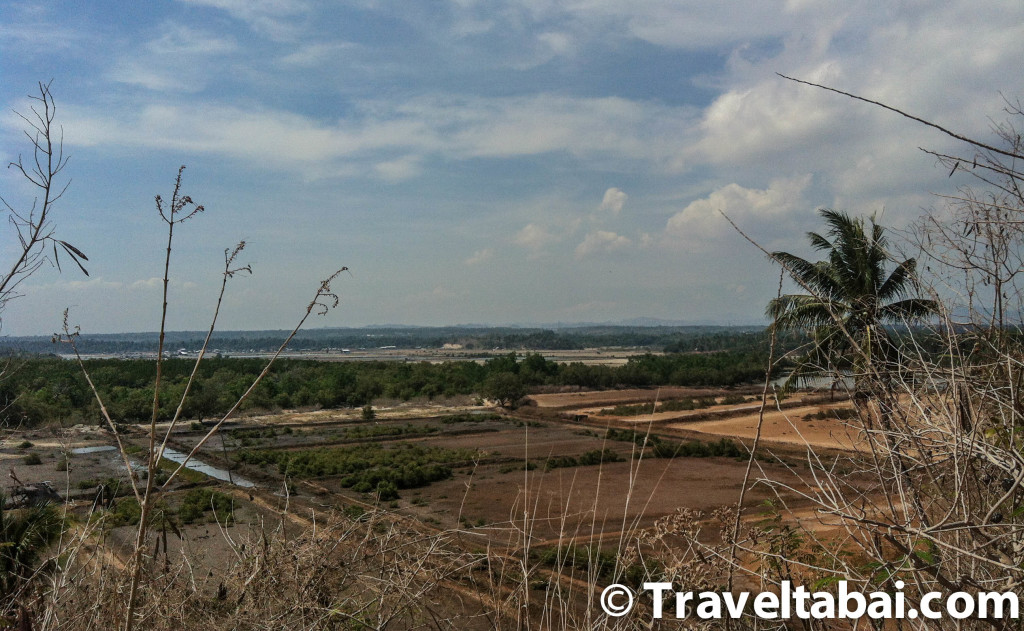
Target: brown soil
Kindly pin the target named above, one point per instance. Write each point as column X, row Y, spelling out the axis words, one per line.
column 618, row 397
column 790, row 427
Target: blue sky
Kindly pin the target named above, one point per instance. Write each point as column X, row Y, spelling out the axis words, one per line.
column 480, row 161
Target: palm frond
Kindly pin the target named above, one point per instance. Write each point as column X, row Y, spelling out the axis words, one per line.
column 899, row 283
column 908, row 310
column 813, row 276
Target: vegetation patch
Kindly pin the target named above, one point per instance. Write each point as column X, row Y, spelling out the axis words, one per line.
column 631, row 436
column 470, row 418
column 206, row 505
column 596, row 564
column 674, row 405
column 723, row 448
column 385, row 431
column 596, row 456
column 367, row 467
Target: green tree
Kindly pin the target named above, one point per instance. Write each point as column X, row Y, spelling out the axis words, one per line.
column 850, row 298
column 504, row 387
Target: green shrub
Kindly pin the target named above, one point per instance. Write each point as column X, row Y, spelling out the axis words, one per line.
column 362, row 467
column 125, row 512
column 517, row 466
column 628, row 410
column 469, row 418
column 353, row 512
column 386, row 490
column 198, row 502
column 723, row 448
column 596, row 456
column 631, row 436
column 32, row 459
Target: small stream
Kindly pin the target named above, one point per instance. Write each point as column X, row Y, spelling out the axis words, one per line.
column 177, row 457
column 214, row 472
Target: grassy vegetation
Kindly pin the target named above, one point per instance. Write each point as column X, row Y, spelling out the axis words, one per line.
column 631, row 436
column 367, row 467
column 200, row 504
column 470, row 418
column 592, row 561
column 723, row 448
column 593, row 457
column 673, row 405
column 196, row 506
column 165, row 467
column 661, row 448
column 840, row 414
column 385, row 431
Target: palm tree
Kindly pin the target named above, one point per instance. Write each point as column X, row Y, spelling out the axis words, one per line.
column 24, row 536
column 850, row 295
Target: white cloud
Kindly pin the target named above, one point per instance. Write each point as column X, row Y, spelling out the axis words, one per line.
column 601, row 242
column 181, row 59
column 147, row 283
column 759, row 212
column 269, row 17
column 613, row 201
column 92, row 284
column 312, row 55
column 597, row 130
column 263, row 136
column 178, row 40
column 400, row 169
column 534, row 237
column 480, row 256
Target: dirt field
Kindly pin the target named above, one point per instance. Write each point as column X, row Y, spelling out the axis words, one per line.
column 504, row 495
column 795, row 427
column 583, row 400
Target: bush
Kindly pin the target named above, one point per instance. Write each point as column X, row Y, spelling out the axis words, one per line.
column 723, row 448
column 198, row 502
column 631, row 436
column 386, row 491
column 32, row 459
column 596, row 456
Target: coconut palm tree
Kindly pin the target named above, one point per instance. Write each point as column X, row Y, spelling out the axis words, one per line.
column 850, row 295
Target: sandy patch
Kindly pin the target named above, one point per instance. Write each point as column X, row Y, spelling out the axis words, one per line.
column 791, row 427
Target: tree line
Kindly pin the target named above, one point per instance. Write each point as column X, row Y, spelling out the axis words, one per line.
column 45, row 390
column 483, row 339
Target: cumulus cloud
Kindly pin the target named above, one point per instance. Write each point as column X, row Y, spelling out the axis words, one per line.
column 760, row 211
column 601, row 242
column 534, row 237
column 613, row 201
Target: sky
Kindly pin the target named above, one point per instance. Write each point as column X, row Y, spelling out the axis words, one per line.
column 479, row 161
